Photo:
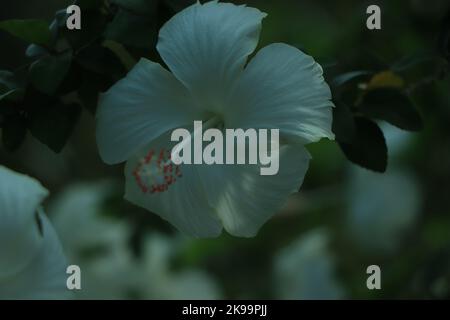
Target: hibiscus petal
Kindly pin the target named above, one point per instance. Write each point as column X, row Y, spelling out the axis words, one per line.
column 283, row 88
column 139, row 108
column 206, row 47
column 20, row 239
column 244, row 199
column 45, row 276
column 182, row 202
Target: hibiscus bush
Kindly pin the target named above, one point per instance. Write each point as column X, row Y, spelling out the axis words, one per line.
column 375, row 193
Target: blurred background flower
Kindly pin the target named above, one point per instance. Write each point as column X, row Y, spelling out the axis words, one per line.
column 384, row 207
column 159, row 281
column 306, row 269
column 99, row 244
column 32, row 263
column 94, row 241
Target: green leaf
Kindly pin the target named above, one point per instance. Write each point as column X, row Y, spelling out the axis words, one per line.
column 93, row 25
column 53, row 125
column 444, row 37
column 137, row 6
column 412, row 60
column 132, row 30
column 34, row 51
column 100, row 60
column 91, row 85
column 47, row 73
column 393, row 106
column 33, row 31
column 8, row 81
column 72, row 81
column 14, row 130
column 13, row 95
column 178, row 5
column 61, row 18
column 349, row 76
column 343, row 123
column 10, row 87
column 368, row 148
column 88, row 5
column 119, row 50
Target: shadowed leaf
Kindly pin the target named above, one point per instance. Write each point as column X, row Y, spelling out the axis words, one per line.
column 47, row 73
column 368, row 148
column 33, row 31
column 54, row 125
column 393, row 106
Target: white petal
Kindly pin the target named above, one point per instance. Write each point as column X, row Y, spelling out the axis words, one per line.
column 183, row 204
column 244, row 199
column 283, row 88
column 45, row 276
column 20, row 240
column 139, row 108
column 206, row 47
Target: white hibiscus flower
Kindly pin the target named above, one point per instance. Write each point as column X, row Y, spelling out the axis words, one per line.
column 206, row 48
column 32, row 264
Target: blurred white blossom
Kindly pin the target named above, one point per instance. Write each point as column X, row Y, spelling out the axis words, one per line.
column 397, row 140
column 100, row 246
column 32, row 263
column 306, row 269
column 95, row 242
column 383, row 207
column 161, row 282
column 78, row 216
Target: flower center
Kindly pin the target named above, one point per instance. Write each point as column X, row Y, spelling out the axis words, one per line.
column 155, row 172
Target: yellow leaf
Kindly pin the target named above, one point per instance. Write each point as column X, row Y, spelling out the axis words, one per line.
column 385, row 79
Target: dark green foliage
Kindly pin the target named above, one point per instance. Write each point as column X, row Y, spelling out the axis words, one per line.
column 47, row 73
column 392, row 106
column 444, row 38
column 13, row 132
column 138, row 7
column 343, row 123
column 53, row 125
column 74, row 62
column 34, row 31
column 348, row 77
column 368, row 147
column 132, row 30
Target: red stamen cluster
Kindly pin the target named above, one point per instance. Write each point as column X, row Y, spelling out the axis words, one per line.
column 148, row 171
